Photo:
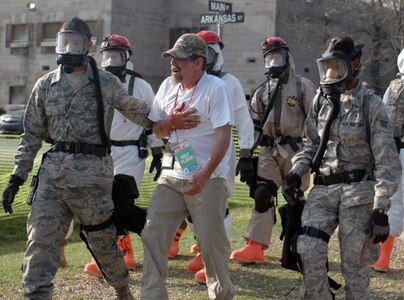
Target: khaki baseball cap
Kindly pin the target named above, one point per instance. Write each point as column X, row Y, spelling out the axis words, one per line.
column 188, row 44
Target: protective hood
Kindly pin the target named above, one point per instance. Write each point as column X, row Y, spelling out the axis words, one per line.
column 400, row 62
column 129, row 65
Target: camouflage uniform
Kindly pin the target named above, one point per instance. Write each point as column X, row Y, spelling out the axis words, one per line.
column 71, row 184
column 347, row 205
column 274, row 161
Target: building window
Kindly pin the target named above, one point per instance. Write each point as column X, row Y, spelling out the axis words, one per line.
column 175, row 33
column 49, row 32
column 20, row 35
column 17, row 95
column 46, row 36
column 18, row 38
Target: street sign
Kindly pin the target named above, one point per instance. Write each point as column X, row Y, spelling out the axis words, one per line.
column 223, row 7
column 237, row 17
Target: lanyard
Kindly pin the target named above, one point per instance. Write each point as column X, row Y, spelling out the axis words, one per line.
column 192, row 96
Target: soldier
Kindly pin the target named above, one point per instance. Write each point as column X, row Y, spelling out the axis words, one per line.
column 351, row 149
column 128, row 140
column 394, row 98
column 279, row 107
column 195, row 168
column 73, row 107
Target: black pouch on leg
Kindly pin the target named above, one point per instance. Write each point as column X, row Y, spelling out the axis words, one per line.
column 34, row 182
column 32, row 189
column 127, row 215
column 253, row 185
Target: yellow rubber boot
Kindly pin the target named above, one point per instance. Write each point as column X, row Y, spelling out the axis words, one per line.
column 251, row 253
column 382, row 264
column 126, row 247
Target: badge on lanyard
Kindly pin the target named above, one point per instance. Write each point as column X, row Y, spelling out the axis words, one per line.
column 168, row 159
column 186, row 157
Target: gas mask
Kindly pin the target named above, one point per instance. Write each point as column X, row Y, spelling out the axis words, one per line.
column 276, row 62
column 114, row 61
column 72, row 48
column 335, row 71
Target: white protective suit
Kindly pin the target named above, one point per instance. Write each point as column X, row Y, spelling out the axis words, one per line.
column 242, row 118
column 396, row 211
column 126, row 159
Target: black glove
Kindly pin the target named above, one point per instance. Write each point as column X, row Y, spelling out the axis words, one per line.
column 156, row 162
column 291, row 188
column 245, row 166
column 10, row 192
column 380, row 228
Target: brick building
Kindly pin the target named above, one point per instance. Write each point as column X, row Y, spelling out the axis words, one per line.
column 28, row 30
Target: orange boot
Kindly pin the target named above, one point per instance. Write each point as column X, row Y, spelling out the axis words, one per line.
column 195, row 264
column 175, row 247
column 126, row 247
column 200, row 276
column 382, row 264
column 251, row 253
column 92, row 269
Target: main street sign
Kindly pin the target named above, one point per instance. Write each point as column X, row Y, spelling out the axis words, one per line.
column 223, row 7
column 237, row 17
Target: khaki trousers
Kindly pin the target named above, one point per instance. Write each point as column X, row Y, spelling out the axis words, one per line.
column 168, row 208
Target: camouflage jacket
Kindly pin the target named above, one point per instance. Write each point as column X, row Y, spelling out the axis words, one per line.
column 56, row 112
column 348, row 146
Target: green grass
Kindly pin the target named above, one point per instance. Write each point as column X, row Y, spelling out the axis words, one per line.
column 263, row 281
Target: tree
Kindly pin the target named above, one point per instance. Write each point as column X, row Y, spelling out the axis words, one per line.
column 379, row 24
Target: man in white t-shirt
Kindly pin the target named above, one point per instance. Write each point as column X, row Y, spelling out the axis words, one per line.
column 195, row 110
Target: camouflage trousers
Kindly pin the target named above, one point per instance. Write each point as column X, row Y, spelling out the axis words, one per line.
column 48, row 222
column 348, row 206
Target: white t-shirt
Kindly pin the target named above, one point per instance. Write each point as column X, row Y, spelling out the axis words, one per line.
column 213, row 101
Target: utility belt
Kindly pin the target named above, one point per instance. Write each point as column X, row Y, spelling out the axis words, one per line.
column 71, row 147
column 125, row 143
column 268, row 141
column 343, row 177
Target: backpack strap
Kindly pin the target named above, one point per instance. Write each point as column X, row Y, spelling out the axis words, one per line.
column 366, row 106
column 131, row 85
column 100, row 104
column 299, row 93
column 221, row 74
